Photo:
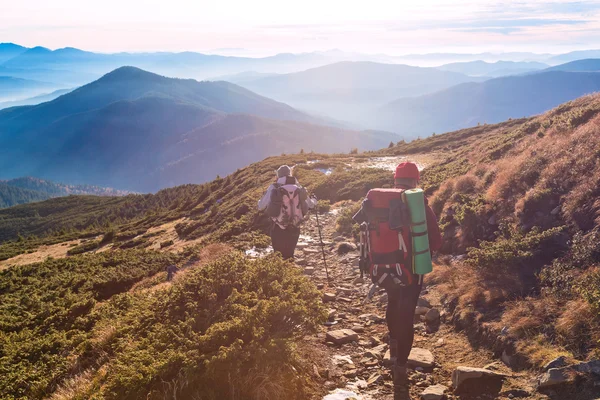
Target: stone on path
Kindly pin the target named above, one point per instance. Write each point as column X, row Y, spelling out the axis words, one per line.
column 432, row 316
column 420, row 358
column 374, row 379
column 310, row 250
column 423, row 303
column 309, row 270
column 341, row 394
column 462, row 374
column 341, row 336
column 387, row 359
column 328, row 297
column 435, row 392
column 345, row 247
column 420, row 310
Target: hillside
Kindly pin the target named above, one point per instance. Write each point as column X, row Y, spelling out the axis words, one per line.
column 104, row 133
column 587, row 65
column 518, row 204
column 346, row 90
column 492, row 101
column 28, row 189
column 14, row 195
column 493, row 70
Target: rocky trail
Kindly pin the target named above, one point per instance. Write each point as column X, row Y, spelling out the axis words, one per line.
column 350, row 353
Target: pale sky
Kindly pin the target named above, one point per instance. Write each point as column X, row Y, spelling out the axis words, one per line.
column 262, row 27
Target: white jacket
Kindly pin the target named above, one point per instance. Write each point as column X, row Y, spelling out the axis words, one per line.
column 263, row 203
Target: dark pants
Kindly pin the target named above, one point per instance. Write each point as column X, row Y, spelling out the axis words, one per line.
column 285, row 240
column 402, row 301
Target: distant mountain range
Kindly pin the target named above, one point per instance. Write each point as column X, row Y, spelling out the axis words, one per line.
column 491, row 101
column 28, row 189
column 345, row 90
column 31, row 101
column 493, row 70
column 17, row 88
column 139, row 131
column 587, row 65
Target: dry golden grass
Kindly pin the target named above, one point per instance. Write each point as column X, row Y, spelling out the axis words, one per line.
column 58, row 250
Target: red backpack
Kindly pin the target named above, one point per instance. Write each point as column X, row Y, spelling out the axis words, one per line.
column 385, row 241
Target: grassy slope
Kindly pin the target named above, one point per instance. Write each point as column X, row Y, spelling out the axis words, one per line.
column 526, row 188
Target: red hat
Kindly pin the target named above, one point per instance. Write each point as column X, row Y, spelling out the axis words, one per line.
column 407, row 170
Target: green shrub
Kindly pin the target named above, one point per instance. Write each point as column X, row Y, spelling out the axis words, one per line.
column 515, row 250
column 323, row 206
column 345, row 225
column 226, row 331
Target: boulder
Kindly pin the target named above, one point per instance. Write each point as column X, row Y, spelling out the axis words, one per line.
column 420, row 358
column 462, row 374
column 309, row 270
column 435, row 392
column 341, row 336
column 556, row 363
column 555, row 377
column 432, row 316
column 564, row 375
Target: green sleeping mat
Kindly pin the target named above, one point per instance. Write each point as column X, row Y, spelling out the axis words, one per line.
column 421, row 255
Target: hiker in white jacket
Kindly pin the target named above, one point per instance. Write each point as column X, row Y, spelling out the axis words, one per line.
column 287, row 203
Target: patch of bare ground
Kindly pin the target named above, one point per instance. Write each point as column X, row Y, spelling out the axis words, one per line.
column 58, row 250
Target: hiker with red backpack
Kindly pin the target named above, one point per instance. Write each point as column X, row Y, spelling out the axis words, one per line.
column 398, row 233
column 287, row 203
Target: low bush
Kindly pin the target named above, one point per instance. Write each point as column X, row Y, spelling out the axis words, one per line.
column 345, row 225
column 226, row 331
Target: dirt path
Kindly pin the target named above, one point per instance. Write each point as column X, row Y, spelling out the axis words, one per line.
column 358, row 368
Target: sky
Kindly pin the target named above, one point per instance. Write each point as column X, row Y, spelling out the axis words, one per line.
column 264, row 27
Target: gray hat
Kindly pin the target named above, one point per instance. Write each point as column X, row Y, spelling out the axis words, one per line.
column 284, row 170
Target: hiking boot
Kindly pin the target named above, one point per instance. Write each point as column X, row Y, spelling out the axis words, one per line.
column 400, row 376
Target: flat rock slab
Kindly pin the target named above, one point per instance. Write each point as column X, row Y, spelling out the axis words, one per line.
column 435, row 392
column 328, row 296
column 463, row 374
column 341, row 336
column 420, row 358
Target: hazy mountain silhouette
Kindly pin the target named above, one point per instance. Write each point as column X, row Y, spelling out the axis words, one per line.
column 587, row 65
column 139, row 131
column 496, row 69
column 42, row 98
column 492, row 101
column 10, row 50
column 573, row 56
column 344, row 90
column 17, row 88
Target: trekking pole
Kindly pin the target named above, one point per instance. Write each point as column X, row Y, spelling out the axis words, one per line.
column 322, row 244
